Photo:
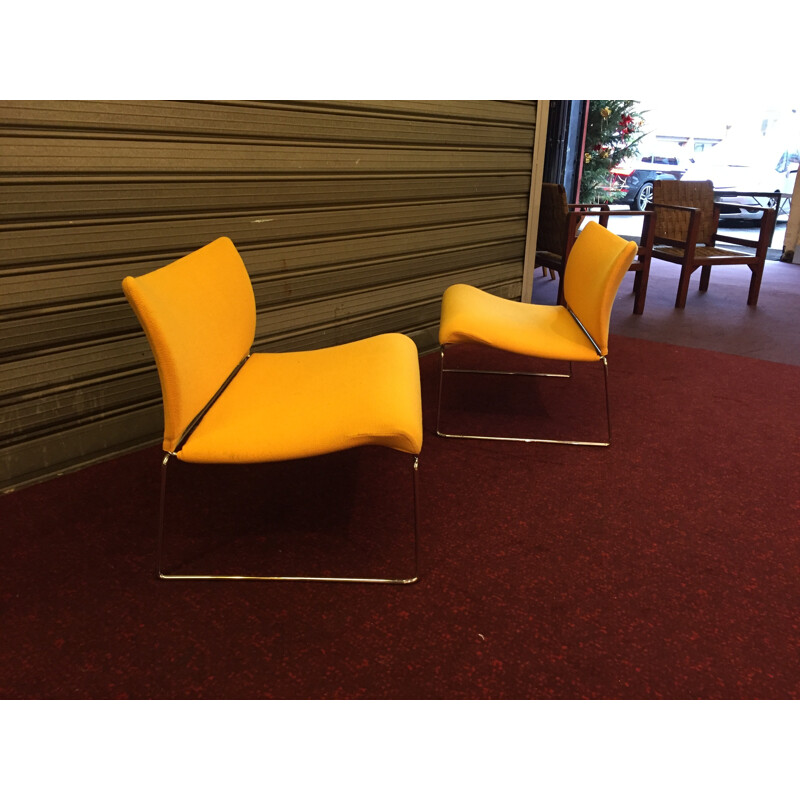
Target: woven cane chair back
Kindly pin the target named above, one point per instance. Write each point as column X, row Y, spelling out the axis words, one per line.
column 674, row 225
column 553, row 211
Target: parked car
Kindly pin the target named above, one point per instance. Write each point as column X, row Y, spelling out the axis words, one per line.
column 748, row 166
column 635, row 177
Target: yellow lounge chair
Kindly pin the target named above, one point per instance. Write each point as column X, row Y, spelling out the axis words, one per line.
column 226, row 405
column 576, row 331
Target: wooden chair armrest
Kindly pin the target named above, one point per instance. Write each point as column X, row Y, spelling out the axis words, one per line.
column 722, row 237
column 581, row 210
column 765, row 232
column 754, row 207
column 621, row 213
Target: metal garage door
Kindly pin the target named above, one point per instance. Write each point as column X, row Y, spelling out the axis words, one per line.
column 352, row 218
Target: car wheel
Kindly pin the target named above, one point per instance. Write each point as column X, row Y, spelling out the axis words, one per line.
column 784, row 207
column 643, row 197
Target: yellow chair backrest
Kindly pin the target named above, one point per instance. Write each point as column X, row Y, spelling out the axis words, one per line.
column 199, row 316
column 596, row 265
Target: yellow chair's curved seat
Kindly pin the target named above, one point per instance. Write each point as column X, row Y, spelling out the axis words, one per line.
column 199, row 316
column 597, row 263
column 470, row 315
column 291, row 405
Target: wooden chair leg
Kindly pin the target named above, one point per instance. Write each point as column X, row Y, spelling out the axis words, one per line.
column 640, row 288
column 705, row 275
column 755, row 284
column 683, row 286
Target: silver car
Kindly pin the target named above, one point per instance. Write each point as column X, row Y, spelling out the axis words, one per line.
column 748, row 173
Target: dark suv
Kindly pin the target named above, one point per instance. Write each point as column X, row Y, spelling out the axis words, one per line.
column 635, row 177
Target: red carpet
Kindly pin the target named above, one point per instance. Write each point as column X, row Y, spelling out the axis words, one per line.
column 665, row 566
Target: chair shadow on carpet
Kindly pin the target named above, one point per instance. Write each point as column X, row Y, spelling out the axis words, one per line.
column 313, row 516
column 522, row 406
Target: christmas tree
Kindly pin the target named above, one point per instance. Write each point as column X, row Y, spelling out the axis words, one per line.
column 612, row 135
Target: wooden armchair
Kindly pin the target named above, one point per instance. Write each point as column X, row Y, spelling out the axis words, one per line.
column 685, row 233
column 559, row 225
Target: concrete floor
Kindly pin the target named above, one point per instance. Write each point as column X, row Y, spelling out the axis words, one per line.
column 718, row 319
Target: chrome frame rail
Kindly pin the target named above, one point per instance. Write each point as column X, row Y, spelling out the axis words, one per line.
column 442, row 370
column 167, row 576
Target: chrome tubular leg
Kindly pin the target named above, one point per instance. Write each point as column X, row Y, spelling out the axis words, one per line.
column 506, row 372
column 441, row 381
column 608, row 405
column 161, row 512
column 178, row 577
column 416, row 522
column 441, row 384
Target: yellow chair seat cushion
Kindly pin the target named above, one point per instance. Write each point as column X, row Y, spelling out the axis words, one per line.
column 293, row 405
column 470, row 315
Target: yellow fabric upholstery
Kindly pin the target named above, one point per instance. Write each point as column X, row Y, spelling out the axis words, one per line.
column 596, row 266
column 199, row 316
column 597, row 263
column 472, row 315
column 291, row 405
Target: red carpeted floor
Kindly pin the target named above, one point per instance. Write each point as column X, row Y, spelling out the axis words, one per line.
column 665, row 566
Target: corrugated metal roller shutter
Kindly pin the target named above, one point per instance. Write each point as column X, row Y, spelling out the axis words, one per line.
column 352, row 218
